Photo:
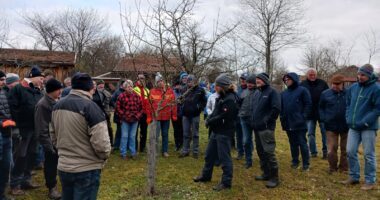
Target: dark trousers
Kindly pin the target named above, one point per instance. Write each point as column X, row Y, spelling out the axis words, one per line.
column 332, row 150
column 5, row 163
column 298, row 142
column 178, row 132
column 143, row 126
column 24, row 158
column 239, row 138
column 80, row 186
column 265, row 147
column 219, row 146
column 50, row 169
column 116, row 143
column 109, row 127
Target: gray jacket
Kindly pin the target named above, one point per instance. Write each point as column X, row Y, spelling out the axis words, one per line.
column 245, row 111
column 42, row 120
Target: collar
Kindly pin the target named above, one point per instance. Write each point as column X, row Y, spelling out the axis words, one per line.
column 81, row 93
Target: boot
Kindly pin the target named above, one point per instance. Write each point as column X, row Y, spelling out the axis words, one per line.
column 262, row 177
column 273, row 181
column 54, row 193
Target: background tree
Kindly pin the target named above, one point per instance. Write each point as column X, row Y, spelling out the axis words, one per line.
column 371, row 44
column 4, row 30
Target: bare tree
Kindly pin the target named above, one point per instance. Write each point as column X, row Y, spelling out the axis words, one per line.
column 371, row 44
column 4, row 30
column 270, row 25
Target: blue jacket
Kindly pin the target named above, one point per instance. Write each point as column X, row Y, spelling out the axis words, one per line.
column 363, row 105
column 332, row 110
column 295, row 106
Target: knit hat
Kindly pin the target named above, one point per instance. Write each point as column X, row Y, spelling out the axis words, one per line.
column 82, row 81
column 264, row 77
column 11, row 78
column 2, row 74
column 100, row 81
column 244, row 76
column 158, row 78
column 53, row 85
column 223, row 81
column 182, row 75
column 190, row 78
column 251, row 79
column 35, row 72
column 337, row 79
column 366, row 69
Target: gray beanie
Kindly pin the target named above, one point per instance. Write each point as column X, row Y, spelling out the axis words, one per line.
column 264, row 77
column 366, row 69
column 251, row 79
column 11, row 78
column 190, row 77
column 223, row 81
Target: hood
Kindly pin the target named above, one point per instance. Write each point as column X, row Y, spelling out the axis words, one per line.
column 294, row 77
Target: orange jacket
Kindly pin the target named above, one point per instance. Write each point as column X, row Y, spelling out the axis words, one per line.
column 167, row 99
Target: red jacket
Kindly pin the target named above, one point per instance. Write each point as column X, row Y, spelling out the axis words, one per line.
column 129, row 107
column 168, row 104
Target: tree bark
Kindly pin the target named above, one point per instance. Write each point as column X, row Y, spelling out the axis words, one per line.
column 152, row 155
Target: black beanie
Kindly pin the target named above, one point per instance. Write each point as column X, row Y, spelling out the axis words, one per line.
column 264, row 77
column 82, row 81
column 53, row 85
column 251, row 79
column 2, row 74
column 35, row 72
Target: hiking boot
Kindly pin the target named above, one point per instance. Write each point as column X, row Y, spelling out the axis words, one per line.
column 220, row 187
column 182, row 155
column 262, row 177
column 17, row 191
column 272, row 183
column 54, row 193
column 368, row 186
column 165, row 154
column 350, row 181
column 195, row 155
column 30, row 186
column 201, row 179
column 239, row 157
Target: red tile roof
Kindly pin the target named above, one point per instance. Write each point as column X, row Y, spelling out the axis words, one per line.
column 145, row 63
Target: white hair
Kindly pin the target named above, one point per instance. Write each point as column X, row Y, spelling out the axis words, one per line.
column 311, row 70
column 127, row 82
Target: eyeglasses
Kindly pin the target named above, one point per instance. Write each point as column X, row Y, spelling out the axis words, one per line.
column 2, row 79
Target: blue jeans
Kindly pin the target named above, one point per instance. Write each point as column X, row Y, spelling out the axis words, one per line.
column 128, row 137
column 5, row 163
column 190, row 132
column 368, row 139
column 247, row 141
column 239, row 138
column 80, row 186
column 298, row 142
column 311, row 125
column 116, row 143
column 163, row 127
column 40, row 155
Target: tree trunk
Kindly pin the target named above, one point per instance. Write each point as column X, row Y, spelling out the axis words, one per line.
column 152, row 154
column 268, row 65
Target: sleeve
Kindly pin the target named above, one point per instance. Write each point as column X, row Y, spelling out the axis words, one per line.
column 348, row 102
column 173, row 105
column 53, row 135
column 372, row 116
column 275, row 106
column 41, row 124
column 308, row 105
column 119, row 107
column 230, row 110
column 14, row 102
column 209, row 105
column 322, row 107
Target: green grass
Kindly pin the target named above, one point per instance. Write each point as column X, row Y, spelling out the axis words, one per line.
column 127, row 179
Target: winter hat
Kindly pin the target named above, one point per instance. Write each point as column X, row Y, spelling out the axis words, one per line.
column 53, row 85
column 264, row 77
column 251, row 79
column 100, row 81
column 158, row 78
column 182, row 75
column 337, row 79
column 35, row 72
column 366, row 69
column 2, row 74
column 223, row 81
column 82, row 81
column 244, row 76
column 11, row 78
column 190, row 78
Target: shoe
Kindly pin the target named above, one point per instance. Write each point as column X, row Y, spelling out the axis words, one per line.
column 314, row 155
column 182, row 155
column 166, row 155
column 195, row 155
column 54, row 193
column 201, row 179
column 17, row 191
column 350, row 181
column 248, row 165
column 272, row 183
column 239, row 157
column 220, row 187
column 39, row 166
column 294, row 166
column 262, row 177
column 305, row 168
column 30, row 186
column 368, row 186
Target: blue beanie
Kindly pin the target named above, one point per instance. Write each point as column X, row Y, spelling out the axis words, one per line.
column 366, row 69
column 82, row 81
column 182, row 75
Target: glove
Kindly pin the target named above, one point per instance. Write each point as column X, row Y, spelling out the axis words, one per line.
column 8, row 123
column 174, row 118
column 148, row 120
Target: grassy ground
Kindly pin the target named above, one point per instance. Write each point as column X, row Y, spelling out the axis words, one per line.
column 127, row 179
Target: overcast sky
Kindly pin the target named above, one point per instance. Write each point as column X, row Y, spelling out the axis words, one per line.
column 346, row 20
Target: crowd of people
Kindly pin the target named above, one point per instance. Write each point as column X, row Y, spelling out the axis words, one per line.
column 68, row 127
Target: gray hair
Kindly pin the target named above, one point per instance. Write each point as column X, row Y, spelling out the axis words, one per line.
column 311, row 70
column 127, row 82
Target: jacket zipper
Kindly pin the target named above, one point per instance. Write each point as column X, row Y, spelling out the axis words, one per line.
column 356, row 105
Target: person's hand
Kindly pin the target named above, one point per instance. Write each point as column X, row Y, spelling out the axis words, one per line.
column 174, row 118
column 8, row 123
column 148, row 120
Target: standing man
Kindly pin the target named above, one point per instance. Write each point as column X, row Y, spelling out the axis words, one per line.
column 315, row 86
column 194, row 103
column 116, row 118
column 79, row 133
column 6, row 125
column 362, row 117
column 177, row 124
column 243, row 91
column 332, row 111
column 245, row 115
column 266, row 107
column 22, row 100
column 42, row 119
column 295, row 108
column 143, row 93
column 12, row 80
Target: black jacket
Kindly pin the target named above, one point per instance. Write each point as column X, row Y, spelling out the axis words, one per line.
column 315, row 89
column 223, row 118
column 5, row 111
column 266, row 105
column 295, row 106
column 22, row 100
column 332, row 110
column 195, row 102
column 42, row 118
